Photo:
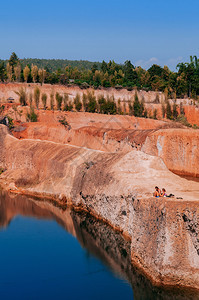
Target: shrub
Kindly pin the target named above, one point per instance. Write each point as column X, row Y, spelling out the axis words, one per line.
column 169, row 111
column 59, row 100
column 85, row 102
column 181, row 109
column 31, row 116
column 37, row 96
column 77, row 102
column 52, row 101
column 119, row 109
column 30, row 99
column 130, row 109
column 157, row 99
column 195, row 126
column 145, row 114
column 111, row 106
column 10, row 122
column 65, row 99
column 183, row 120
column 1, row 170
column 2, row 107
column 44, row 100
column 163, row 110
column 155, row 114
column 70, row 106
column 22, row 96
column 64, row 122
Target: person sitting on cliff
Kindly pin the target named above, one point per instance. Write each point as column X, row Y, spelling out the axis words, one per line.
column 163, row 193
column 157, row 192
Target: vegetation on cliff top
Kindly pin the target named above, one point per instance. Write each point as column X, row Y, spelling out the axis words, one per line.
column 184, row 82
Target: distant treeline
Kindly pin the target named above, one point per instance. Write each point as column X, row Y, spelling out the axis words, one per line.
column 53, row 65
column 183, row 83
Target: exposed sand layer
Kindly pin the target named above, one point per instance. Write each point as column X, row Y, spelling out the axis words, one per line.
column 178, row 148
column 116, row 187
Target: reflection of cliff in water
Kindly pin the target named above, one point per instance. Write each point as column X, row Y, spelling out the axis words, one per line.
column 115, row 252
column 98, row 238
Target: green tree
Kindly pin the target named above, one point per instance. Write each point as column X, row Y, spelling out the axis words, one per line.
column 94, row 68
column 168, row 111
column 13, row 60
column 175, row 112
column 2, row 71
column 104, row 67
column 138, row 108
column 130, row 75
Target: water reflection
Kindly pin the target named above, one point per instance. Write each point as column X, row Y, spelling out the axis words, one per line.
column 98, row 238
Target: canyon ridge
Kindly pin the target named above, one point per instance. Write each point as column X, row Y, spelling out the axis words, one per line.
column 108, row 165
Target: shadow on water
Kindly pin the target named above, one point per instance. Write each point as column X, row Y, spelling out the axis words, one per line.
column 98, row 238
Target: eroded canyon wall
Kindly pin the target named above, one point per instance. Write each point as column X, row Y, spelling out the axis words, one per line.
column 179, row 149
column 115, row 187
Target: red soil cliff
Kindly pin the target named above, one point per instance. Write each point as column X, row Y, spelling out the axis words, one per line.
column 117, row 188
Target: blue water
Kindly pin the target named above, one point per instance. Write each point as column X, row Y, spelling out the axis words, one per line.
column 40, row 260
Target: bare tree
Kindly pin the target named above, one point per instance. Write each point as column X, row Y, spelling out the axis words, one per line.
column 42, row 75
column 17, row 71
column 9, row 71
column 34, row 72
column 26, row 73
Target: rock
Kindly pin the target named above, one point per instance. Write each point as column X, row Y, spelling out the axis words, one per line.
column 12, row 186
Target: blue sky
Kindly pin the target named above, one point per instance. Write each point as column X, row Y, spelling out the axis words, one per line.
column 146, row 32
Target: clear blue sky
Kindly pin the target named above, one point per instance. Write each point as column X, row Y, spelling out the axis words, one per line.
column 144, row 31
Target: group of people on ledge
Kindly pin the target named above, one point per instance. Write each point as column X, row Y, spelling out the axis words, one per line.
column 159, row 193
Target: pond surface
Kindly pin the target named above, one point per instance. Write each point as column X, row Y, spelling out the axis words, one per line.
column 47, row 252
